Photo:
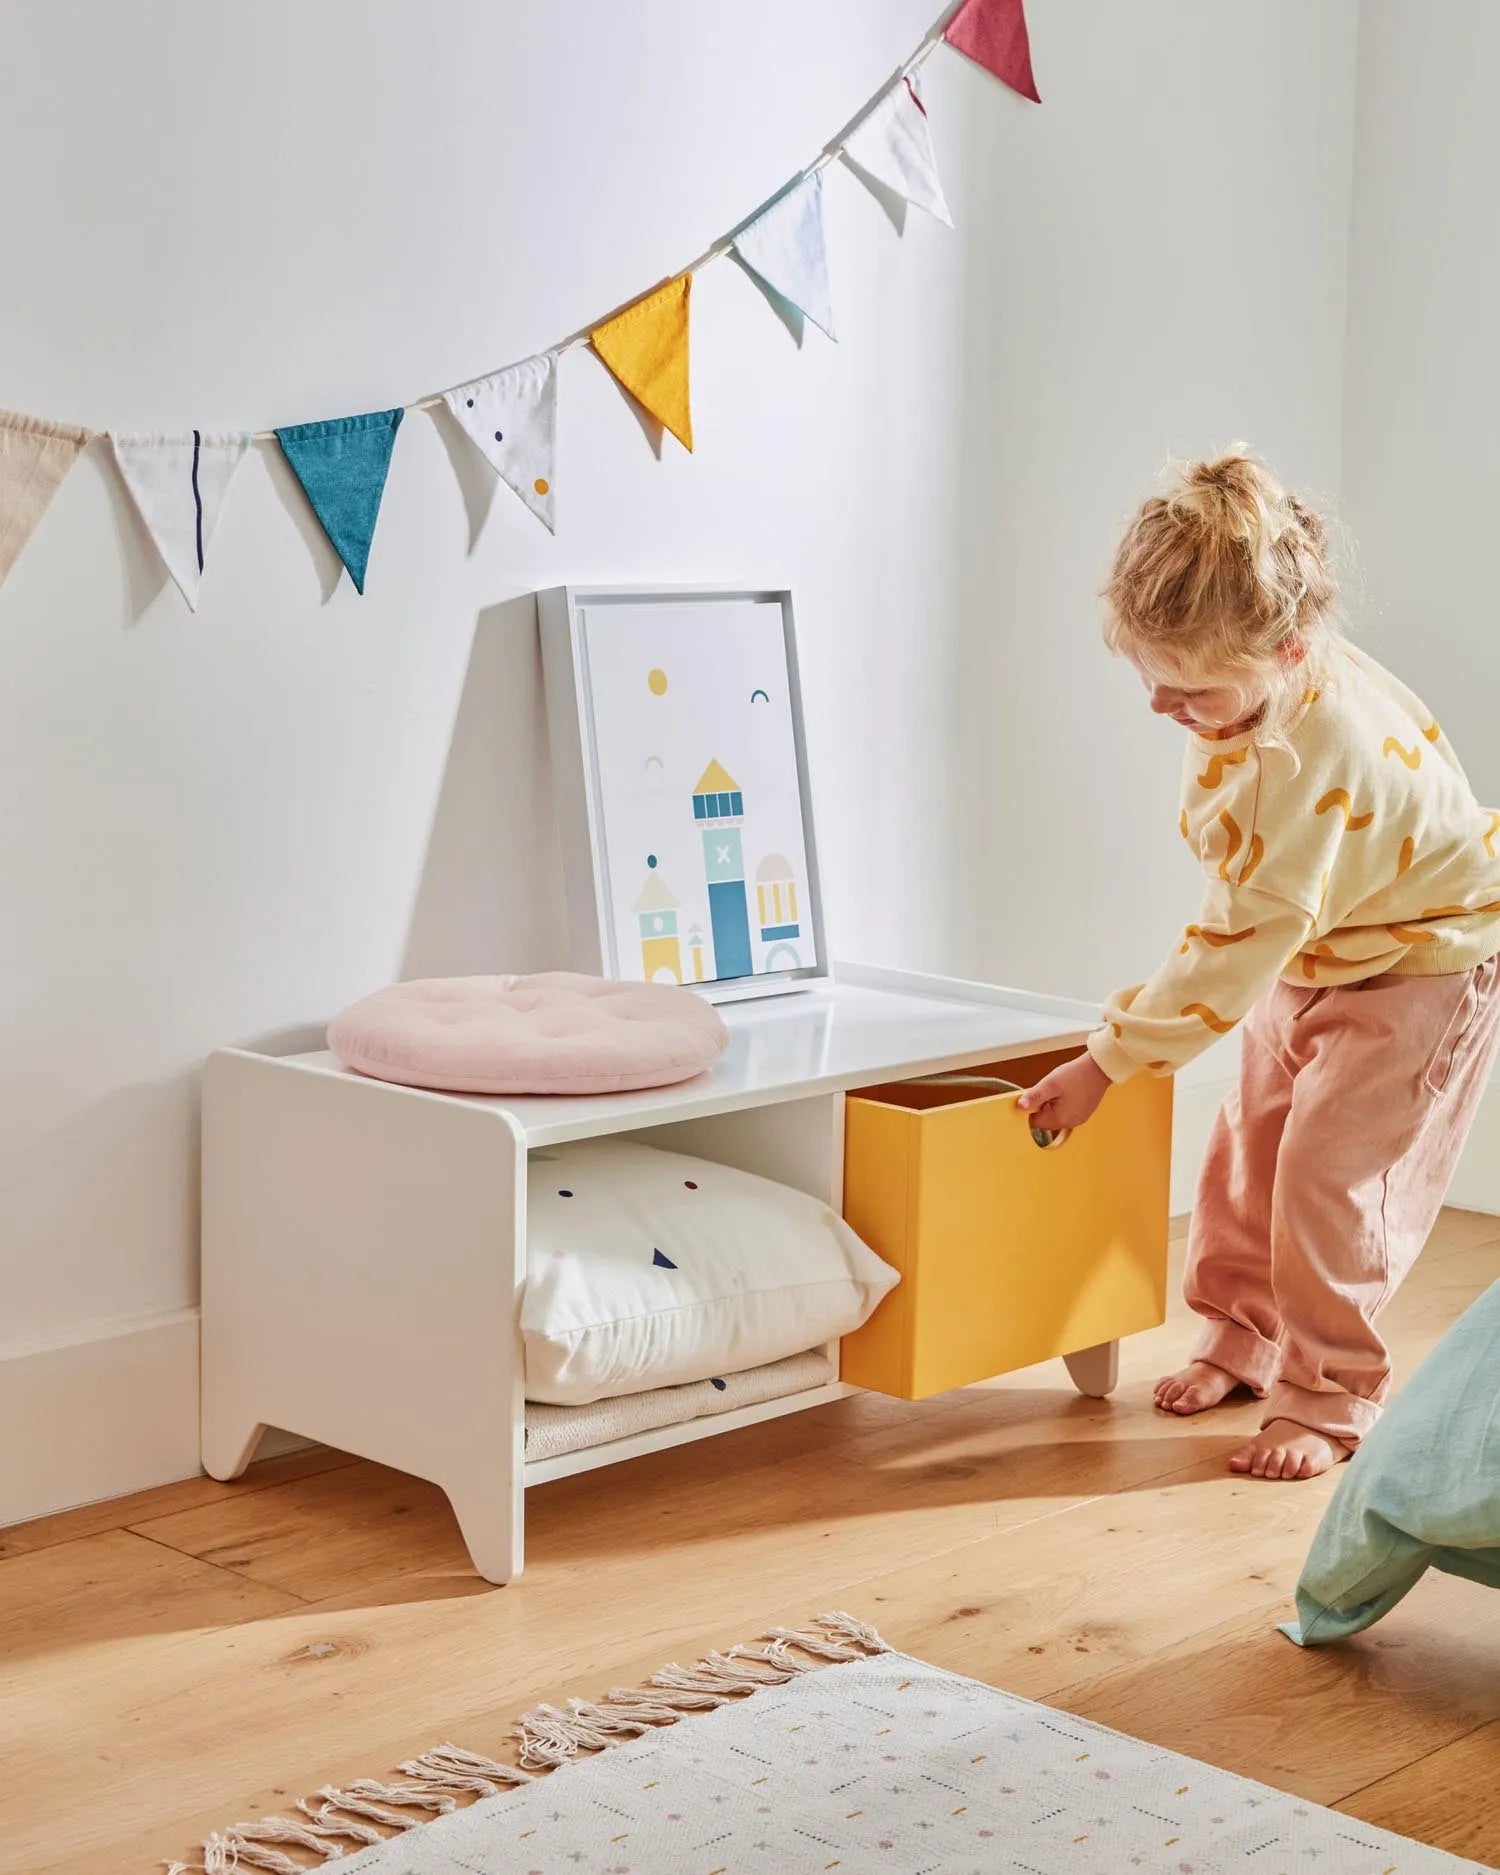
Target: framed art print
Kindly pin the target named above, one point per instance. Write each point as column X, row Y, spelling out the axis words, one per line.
column 681, row 779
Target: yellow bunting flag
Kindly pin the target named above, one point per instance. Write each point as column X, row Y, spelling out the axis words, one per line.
column 646, row 348
column 34, row 458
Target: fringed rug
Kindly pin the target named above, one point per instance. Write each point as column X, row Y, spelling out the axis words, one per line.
column 879, row 1766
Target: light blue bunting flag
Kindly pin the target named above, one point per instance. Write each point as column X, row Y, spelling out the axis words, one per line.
column 342, row 466
column 785, row 248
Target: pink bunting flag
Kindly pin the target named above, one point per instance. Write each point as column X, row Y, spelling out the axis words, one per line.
column 993, row 34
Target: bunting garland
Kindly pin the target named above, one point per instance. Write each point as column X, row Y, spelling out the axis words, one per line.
column 180, row 483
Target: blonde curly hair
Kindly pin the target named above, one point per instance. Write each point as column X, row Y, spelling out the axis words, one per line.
column 1224, row 581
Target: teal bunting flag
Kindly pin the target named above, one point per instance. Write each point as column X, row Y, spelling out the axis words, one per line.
column 342, row 466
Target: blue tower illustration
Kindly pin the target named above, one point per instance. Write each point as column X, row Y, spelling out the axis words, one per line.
column 719, row 809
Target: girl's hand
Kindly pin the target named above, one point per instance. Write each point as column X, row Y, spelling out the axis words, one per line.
column 1068, row 1097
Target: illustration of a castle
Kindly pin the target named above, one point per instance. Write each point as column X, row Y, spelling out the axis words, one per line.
column 656, row 910
column 719, row 813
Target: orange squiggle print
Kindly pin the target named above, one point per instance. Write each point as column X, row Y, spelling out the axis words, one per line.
column 1432, row 732
column 1236, row 840
column 1412, row 756
column 1210, row 1018
column 1408, row 934
column 1182, row 826
column 1489, row 838
column 1253, row 858
column 1218, row 939
column 1309, row 697
column 1320, row 953
column 1460, row 911
column 1344, row 801
column 1214, row 773
column 1403, row 862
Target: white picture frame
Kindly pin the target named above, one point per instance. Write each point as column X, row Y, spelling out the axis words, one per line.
column 726, row 876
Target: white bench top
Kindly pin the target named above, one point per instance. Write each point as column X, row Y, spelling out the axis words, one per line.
column 865, row 1027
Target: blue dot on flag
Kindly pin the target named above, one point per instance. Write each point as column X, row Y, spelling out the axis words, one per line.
column 659, row 1262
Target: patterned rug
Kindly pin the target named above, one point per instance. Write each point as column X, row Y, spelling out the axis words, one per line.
column 880, row 1765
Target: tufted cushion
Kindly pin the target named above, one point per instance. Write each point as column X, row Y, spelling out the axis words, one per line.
column 551, row 1034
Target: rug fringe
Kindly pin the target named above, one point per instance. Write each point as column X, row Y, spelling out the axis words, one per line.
column 339, row 1821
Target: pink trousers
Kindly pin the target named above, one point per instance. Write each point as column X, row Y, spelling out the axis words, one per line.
column 1325, row 1172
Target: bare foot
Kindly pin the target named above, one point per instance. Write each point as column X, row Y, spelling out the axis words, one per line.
column 1283, row 1449
column 1199, row 1386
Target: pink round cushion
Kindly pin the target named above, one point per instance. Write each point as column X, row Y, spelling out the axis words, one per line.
column 550, row 1034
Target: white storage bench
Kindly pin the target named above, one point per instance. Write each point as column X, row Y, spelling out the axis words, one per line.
column 364, row 1245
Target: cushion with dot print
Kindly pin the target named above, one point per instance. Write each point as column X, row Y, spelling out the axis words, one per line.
column 649, row 1269
column 554, row 1033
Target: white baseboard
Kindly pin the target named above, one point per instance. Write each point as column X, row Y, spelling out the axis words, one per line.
column 1475, row 1187
column 103, row 1416
column 100, row 1417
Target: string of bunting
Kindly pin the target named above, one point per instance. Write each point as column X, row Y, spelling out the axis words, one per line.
column 180, row 483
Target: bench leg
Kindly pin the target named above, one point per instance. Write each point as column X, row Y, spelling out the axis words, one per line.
column 1095, row 1371
column 491, row 1523
column 228, row 1439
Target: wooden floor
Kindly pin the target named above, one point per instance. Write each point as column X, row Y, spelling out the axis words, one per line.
column 204, row 1653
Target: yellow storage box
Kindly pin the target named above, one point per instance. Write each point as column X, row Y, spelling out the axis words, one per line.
column 1009, row 1252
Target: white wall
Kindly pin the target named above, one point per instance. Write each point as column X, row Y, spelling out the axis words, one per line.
column 1422, row 465
column 219, row 829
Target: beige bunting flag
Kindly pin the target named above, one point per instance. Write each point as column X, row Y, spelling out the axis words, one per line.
column 35, row 457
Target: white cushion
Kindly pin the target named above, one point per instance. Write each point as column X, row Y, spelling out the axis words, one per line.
column 648, row 1269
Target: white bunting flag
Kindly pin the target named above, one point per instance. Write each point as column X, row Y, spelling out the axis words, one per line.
column 179, row 485
column 512, row 418
column 786, row 249
column 893, row 147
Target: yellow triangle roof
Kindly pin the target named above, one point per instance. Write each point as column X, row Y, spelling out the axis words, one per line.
column 714, row 780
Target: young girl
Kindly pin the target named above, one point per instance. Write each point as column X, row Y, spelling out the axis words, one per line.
column 1352, row 911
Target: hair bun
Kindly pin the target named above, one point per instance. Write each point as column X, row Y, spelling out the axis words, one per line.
column 1224, row 568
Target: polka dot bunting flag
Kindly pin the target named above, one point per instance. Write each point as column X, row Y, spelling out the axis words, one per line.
column 512, row 420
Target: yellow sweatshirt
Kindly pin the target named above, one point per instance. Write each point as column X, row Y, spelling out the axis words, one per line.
column 1346, row 844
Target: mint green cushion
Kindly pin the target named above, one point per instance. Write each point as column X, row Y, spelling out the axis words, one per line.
column 1422, row 1492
